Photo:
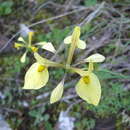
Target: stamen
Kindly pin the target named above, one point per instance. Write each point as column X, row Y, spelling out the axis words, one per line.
column 34, row 49
column 41, row 68
column 86, row 79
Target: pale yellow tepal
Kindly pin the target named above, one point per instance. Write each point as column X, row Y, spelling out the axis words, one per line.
column 95, row 58
column 57, row 93
column 36, row 77
column 80, row 44
column 89, row 89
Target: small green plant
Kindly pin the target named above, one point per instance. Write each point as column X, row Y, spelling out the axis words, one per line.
column 5, row 8
column 38, row 115
column 88, row 87
column 90, row 2
column 85, row 123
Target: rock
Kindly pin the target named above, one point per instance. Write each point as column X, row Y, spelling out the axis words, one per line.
column 3, row 124
column 24, row 30
column 65, row 122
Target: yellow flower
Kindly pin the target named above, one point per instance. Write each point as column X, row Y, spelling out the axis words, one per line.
column 28, row 45
column 88, row 87
column 36, row 77
column 80, row 44
column 25, row 44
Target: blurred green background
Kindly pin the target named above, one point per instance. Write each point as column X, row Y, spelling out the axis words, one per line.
column 108, row 33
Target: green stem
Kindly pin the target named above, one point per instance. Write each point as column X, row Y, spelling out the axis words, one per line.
column 54, row 64
column 90, row 67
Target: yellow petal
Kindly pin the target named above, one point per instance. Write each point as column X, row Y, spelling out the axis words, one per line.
column 41, row 43
column 68, row 40
column 18, row 45
column 47, row 46
column 23, row 58
column 39, row 59
column 90, row 90
column 45, row 61
column 35, row 79
column 95, row 58
column 20, row 39
column 81, row 72
column 57, row 93
column 81, row 44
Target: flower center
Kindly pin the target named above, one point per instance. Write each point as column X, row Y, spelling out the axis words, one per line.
column 34, row 49
column 86, row 79
column 41, row 68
